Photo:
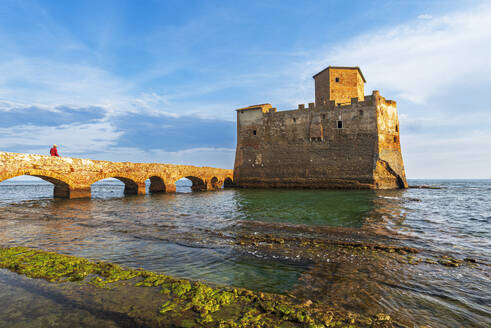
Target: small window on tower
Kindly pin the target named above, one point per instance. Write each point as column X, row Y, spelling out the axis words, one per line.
column 340, row 124
column 323, row 116
column 294, row 119
column 337, row 79
column 397, row 128
column 395, row 139
column 254, row 132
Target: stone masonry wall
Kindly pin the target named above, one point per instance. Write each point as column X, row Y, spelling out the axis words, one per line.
column 350, row 85
column 390, row 166
column 305, row 148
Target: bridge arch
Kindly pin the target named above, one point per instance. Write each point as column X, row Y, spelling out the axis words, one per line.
column 61, row 186
column 131, row 185
column 198, row 184
column 215, row 183
column 62, row 189
column 228, row 182
column 157, row 184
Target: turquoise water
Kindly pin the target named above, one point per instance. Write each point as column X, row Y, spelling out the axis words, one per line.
column 190, row 235
column 311, row 207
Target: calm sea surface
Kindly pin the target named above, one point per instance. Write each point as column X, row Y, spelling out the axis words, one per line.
column 189, row 235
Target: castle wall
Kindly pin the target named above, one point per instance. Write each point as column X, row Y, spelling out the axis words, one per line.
column 322, row 88
column 305, row 148
column 360, row 89
column 390, row 166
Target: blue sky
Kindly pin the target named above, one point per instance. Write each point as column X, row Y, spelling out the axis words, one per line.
column 158, row 81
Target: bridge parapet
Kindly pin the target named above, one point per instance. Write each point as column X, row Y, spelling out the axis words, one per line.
column 73, row 177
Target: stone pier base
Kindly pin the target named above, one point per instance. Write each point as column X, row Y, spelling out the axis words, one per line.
column 78, row 193
column 171, row 187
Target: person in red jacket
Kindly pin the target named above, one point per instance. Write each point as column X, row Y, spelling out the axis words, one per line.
column 54, row 151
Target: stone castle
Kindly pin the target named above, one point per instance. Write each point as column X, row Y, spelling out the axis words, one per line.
column 344, row 140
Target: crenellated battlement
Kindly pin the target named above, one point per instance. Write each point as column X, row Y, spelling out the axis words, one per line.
column 369, row 100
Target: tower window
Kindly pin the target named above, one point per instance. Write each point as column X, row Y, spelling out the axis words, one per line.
column 254, row 132
column 337, row 79
column 395, row 139
column 397, row 128
column 323, row 116
column 294, row 119
column 340, row 124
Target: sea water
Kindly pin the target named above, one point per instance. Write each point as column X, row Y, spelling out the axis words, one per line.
column 184, row 234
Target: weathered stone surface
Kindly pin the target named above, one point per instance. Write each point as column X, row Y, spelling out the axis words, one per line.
column 73, row 177
column 339, row 84
column 329, row 145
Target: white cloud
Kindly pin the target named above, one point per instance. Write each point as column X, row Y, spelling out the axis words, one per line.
column 26, row 82
column 444, row 126
column 425, row 16
column 72, row 139
column 44, row 83
column 419, row 59
column 464, row 157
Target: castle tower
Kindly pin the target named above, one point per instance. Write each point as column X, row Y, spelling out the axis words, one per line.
column 344, row 140
column 339, row 84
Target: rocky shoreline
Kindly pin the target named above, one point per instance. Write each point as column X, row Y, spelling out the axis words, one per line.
column 179, row 302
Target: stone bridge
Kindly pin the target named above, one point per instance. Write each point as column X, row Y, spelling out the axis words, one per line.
column 73, row 177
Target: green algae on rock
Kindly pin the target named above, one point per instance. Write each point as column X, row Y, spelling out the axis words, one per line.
column 57, row 267
column 192, row 303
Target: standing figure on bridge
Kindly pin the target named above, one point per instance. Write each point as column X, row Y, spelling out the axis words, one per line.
column 54, row 151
